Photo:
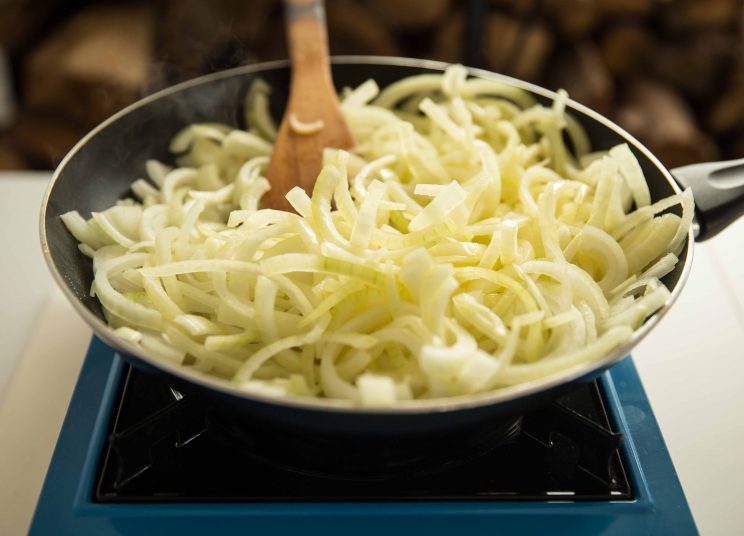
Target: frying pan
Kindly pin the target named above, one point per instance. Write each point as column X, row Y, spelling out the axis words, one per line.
column 100, row 168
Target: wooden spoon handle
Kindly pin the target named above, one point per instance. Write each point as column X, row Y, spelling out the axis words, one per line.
column 308, row 40
column 312, row 119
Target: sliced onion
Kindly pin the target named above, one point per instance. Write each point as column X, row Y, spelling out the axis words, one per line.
column 459, row 248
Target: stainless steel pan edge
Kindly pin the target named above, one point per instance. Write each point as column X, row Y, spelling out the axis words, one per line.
column 224, row 388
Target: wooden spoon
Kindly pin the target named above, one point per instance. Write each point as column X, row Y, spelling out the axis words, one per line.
column 313, row 119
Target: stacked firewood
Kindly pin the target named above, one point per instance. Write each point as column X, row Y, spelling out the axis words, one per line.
column 669, row 71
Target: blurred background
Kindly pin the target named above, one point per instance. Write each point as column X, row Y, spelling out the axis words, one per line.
column 669, row 71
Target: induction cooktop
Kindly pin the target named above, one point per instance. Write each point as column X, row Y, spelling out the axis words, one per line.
column 136, row 456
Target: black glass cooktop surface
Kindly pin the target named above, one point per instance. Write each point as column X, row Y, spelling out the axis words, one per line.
column 166, row 447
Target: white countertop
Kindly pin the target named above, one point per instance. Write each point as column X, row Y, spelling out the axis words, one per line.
column 692, row 367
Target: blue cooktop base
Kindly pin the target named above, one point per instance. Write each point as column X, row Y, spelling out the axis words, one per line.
column 66, row 507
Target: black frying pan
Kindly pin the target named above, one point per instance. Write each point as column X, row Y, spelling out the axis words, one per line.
column 100, row 168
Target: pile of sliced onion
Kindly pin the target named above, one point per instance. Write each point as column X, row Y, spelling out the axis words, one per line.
column 461, row 247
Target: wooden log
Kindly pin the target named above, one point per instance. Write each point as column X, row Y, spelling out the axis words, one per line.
column 625, row 8
column 407, row 15
column 8, row 99
column 10, row 157
column 500, row 36
column 689, row 16
column 626, row 49
column 696, row 66
column 199, row 37
column 726, row 113
column 42, row 140
column 734, row 148
column 579, row 69
column 22, row 22
column 515, row 47
column 662, row 120
column 534, row 48
column 95, row 64
column 573, row 19
column 448, row 40
column 354, row 28
column 516, row 7
column 273, row 45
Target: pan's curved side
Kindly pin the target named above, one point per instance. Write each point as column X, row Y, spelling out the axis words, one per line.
column 99, row 170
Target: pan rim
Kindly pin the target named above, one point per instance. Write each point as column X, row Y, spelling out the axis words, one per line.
column 439, row 405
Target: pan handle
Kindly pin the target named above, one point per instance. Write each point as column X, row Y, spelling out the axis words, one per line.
column 718, row 190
